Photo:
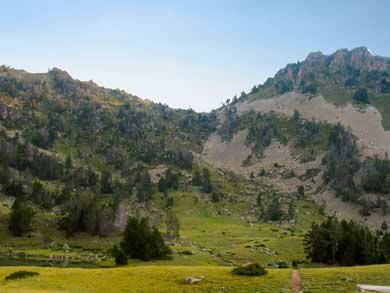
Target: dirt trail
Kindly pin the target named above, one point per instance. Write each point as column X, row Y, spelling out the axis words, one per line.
column 296, row 282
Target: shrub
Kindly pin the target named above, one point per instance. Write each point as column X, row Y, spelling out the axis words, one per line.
column 297, row 262
column 119, row 256
column 186, row 252
column 252, row 269
column 21, row 275
column 216, row 195
column 301, row 191
column 262, row 173
column 361, row 96
column 282, row 264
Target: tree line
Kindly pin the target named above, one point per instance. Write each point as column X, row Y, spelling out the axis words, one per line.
column 347, row 243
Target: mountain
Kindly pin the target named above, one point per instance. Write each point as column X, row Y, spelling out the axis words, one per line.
column 343, row 69
column 65, row 143
column 262, row 129
column 77, row 159
column 355, row 68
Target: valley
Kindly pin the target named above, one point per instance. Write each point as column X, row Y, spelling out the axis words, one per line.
column 250, row 182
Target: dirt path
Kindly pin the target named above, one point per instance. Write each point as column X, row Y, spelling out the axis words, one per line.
column 296, row 282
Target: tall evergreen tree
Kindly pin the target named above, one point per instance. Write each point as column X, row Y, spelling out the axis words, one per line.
column 274, row 211
column 106, row 182
column 206, row 181
column 142, row 242
column 21, row 218
column 343, row 243
column 196, row 178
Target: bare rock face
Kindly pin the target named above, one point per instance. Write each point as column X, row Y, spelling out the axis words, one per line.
column 121, row 217
column 344, row 68
column 371, row 288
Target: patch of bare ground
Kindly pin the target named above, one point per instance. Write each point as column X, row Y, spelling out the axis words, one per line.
column 348, row 211
column 278, row 160
column 227, row 154
column 156, row 173
column 365, row 123
column 296, row 282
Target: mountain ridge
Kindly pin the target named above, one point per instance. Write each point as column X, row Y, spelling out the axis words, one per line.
column 322, row 89
column 61, row 115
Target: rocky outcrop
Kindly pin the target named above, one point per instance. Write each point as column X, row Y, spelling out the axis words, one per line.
column 354, row 68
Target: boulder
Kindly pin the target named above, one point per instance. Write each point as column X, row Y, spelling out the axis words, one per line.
column 371, row 288
column 193, row 280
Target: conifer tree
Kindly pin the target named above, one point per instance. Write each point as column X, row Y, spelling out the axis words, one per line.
column 21, row 218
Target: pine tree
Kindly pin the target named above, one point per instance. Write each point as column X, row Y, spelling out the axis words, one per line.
column 162, row 185
column 291, row 210
column 172, row 179
column 21, row 160
column 21, row 218
column 68, row 163
column 173, row 225
column 301, row 192
column 274, row 212
column 260, row 205
column 216, row 195
column 296, row 116
column 206, row 181
column 196, row 178
column 106, row 182
column 344, row 243
column 142, row 242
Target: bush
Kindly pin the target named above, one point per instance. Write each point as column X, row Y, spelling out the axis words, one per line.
column 297, row 262
column 252, row 269
column 21, row 275
column 119, row 256
column 361, row 96
column 282, row 264
column 186, row 252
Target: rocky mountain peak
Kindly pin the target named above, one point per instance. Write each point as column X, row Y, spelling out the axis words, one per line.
column 345, row 68
column 315, row 56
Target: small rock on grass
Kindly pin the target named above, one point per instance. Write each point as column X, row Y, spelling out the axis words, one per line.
column 193, row 280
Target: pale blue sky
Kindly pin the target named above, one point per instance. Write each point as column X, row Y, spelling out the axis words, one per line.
column 184, row 53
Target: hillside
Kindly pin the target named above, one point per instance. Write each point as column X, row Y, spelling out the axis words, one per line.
column 324, row 90
column 241, row 184
column 78, row 159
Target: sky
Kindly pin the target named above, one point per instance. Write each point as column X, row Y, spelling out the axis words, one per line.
column 187, row 54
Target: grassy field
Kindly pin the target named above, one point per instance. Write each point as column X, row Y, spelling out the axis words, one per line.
column 336, row 95
column 211, row 234
column 382, row 104
column 171, row 279
column 218, row 233
column 344, row 279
